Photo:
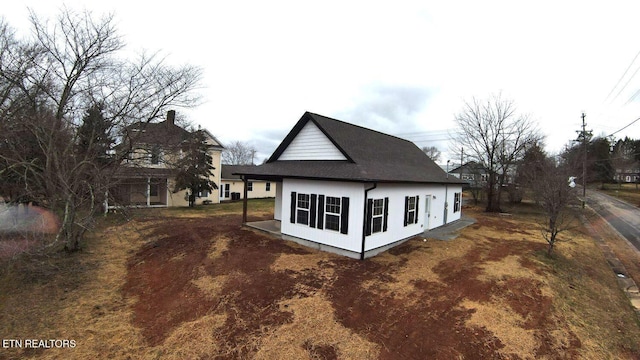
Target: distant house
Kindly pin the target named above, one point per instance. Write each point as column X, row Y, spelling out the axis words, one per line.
column 630, row 175
column 355, row 191
column 232, row 188
column 146, row 179
column 472, row 173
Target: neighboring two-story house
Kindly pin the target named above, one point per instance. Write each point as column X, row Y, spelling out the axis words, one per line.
column 146, row 179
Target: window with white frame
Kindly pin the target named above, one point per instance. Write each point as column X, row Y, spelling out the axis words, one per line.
column 302, row 209
column 377, row 215
column 267, row 186
column 332, row 213
column 155, row 155
column 154, row 189
column 410, row 213
column 456, row 202
column 250, row 186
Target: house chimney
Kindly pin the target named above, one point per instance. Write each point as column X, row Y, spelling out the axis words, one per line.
column 171, row 118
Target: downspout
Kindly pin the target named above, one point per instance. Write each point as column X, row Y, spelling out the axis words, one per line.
column 446, row 202
column 364, row 218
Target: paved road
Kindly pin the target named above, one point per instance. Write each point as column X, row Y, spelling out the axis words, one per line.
column 623, row 217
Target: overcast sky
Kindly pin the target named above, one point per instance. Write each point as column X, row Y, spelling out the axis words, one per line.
column 404, row 68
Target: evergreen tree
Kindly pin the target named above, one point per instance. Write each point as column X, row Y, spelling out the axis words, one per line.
column 599, row 160
column 195, row 168
column 94, row 140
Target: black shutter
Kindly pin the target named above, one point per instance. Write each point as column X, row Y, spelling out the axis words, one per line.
column 367, row 229
column 294, row 199
column 312, row 211
column 320, row 212
column 417, row 209
column 344, row 216
column 406, row 209
column 386, row 214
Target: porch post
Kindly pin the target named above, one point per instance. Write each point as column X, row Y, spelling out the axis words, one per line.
column 148, row 191
column 244, row 201
column 166, row 200
column 106, row 202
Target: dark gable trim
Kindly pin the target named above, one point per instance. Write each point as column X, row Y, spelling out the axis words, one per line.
column 296, row 130
column 330, row 138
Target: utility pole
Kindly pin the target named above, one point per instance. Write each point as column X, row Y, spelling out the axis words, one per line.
column 461, row 161
column 584, row 162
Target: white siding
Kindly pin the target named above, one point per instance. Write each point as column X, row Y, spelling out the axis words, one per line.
column 354, row 191
column 395, row 222
column 311, row 144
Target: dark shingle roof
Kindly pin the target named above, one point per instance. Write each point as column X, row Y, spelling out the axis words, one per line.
column 163, row 133
column 372, row 156
column 228, row 172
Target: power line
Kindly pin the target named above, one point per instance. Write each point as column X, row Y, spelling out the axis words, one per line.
column 631, row 123
column 622, row 77
column 625, row 85
column 633, row 97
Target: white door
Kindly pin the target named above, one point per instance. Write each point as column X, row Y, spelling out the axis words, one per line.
column 427, row 211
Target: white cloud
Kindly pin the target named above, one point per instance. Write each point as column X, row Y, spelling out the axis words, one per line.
column 268, row 62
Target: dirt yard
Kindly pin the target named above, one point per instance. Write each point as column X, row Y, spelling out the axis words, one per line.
column 188, row 286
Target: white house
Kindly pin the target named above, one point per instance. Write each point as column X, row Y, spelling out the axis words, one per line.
column 354, row 191
column 232, row 187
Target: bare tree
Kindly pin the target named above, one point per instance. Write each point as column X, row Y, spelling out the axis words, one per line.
column 432, row 152
column 554, row 191
column 238, row 153
column 48, row 86
column 496, row 137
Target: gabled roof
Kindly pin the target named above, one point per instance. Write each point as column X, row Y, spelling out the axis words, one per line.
column 371, row 156
column 165, row 133
column 471, row 167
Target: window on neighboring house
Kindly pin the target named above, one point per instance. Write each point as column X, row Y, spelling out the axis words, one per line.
column 332, row 213
column 267, row 186
column 204, row 193
column 155, row 155
column 484, row 177
column 411, row 210
column 226, row 190
column 467, row 177
column 456, row 202
column 250, row 186
column 153, row 189
column 302, row 209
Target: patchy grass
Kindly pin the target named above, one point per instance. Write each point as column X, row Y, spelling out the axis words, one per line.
column 626, row 192
column 191, row 283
